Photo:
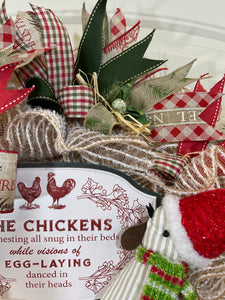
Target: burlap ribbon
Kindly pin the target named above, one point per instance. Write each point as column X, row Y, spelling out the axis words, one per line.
column 210, row 282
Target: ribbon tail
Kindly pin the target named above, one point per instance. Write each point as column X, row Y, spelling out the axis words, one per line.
column 90, row 50
column 127, row 66
column 60, row 60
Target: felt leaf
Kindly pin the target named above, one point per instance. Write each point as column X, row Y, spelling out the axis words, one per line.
column 100, row 119
column 9, row 98
column 126, row 66
column 149, row 92
column 90, row 49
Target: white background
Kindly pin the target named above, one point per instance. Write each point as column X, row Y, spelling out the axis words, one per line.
column 184, row 29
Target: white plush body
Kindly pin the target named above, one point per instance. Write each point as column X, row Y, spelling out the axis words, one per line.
column 130, row 281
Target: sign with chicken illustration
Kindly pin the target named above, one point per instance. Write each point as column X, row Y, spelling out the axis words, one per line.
column 59, row 192
column 29, row 194
column 62, row 241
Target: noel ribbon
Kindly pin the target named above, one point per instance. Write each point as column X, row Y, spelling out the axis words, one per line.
column 177, row 118
column 212, row 115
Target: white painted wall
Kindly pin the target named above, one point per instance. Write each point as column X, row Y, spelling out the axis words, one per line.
column 184, row 29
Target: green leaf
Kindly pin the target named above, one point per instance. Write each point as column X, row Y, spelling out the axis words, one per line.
column 90, row 50
column 151, row 91
column 139, row 115
column 113, row 93
column 127, row 65
column 126, row 89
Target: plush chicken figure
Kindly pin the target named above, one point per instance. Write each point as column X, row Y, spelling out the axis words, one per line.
column 157, row 271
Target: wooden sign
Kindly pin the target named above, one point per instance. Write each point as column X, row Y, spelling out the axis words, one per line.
column 62, row 241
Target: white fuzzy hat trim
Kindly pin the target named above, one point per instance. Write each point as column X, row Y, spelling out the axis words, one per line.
column 179, row 235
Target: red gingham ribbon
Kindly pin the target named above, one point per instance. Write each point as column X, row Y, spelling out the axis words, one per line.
column 167, row 166
column 124, row 40
column 76, row 100
column 60, row 60
column 117, row 25
column 193, row 131
column 7, row 34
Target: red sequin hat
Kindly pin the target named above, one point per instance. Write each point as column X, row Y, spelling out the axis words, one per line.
column 197, row 225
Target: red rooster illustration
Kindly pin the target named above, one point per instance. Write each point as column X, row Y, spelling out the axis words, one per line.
column 30, row 193
column 59, row 192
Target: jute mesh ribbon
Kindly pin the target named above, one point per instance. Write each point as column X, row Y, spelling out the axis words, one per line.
column 30, row 133
column 205, row 172
column 209, row 283
column 40, row 135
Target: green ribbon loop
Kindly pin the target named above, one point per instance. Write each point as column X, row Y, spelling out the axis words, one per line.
column 43, row 95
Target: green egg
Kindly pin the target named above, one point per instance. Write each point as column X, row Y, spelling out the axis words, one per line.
column 119, row 105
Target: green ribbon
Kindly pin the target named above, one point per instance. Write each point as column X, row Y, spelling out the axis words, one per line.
column 90, row 49
column 126, row 66
column 122, row 68
column 43, row 95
